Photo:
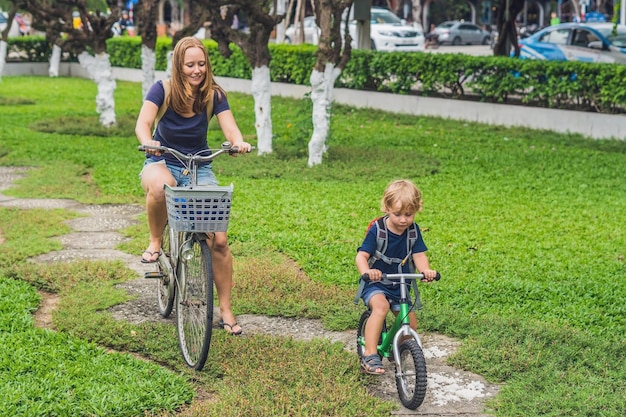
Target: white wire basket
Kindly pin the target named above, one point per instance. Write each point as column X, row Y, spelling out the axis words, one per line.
column 201, row 209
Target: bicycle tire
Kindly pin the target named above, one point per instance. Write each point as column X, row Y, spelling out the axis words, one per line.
column 360, row 333
column 411, row 378
column 194, row 306
column 166, row 285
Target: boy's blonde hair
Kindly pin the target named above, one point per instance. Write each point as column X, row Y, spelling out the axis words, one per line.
column 404, row 192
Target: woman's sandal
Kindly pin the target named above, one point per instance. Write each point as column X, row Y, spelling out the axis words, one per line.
column 230, row 326
column 371, row 364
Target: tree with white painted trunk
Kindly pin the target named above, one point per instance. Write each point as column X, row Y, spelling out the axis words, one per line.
column 95, row 30
column 333, row 54
column 145, row 17
column 262, row 18
column 51, row 17
column 4, row 46
column 94, row 34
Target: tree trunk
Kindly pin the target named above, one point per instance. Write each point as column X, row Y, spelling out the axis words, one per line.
column 3, row 56
column 146, row 16
column 322, row 85
column 148, row 65
column 55, row 60
column 507, row 29
column 99, row 69
column 417, row 15
column 261, row 91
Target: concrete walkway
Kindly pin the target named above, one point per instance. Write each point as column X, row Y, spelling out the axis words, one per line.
column 592, row 125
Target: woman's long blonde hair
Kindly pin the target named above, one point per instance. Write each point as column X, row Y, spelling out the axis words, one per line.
column 182, row 94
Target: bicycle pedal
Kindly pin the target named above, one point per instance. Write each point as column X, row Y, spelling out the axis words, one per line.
column 153, row 275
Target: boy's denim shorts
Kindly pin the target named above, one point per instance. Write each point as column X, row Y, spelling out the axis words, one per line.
column 205, row 173
column 392, row 293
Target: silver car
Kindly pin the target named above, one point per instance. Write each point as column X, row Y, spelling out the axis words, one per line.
column 311, row 32
column 462, row 33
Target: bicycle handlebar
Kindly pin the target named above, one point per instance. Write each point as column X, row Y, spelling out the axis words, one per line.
column 226, row 147
column 398, row 277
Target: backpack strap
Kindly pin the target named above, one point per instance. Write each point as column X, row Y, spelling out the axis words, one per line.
column 381, row 240
column 167, row 89
column 411, row 238
column 166, row 102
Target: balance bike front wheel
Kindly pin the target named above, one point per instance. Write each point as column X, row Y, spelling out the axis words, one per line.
column 411, row 377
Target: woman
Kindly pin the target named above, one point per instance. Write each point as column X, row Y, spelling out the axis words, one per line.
column 184, row 126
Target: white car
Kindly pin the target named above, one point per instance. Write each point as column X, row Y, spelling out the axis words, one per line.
column 16, row 27
column 390, row 33
column 311, row 32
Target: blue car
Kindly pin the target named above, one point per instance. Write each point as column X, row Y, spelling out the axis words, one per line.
column 587, row 42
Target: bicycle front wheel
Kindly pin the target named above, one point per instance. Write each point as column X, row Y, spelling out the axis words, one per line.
column 194, row 306
column 411, row 378
column 166, row 286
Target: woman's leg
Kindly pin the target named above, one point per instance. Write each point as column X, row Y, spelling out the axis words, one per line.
column 153, row 177
column 223, row 276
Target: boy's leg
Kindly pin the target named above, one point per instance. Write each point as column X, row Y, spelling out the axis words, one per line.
column 379, row 307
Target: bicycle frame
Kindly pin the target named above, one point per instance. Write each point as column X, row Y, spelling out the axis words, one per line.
column 401, row 326
column 184, row 271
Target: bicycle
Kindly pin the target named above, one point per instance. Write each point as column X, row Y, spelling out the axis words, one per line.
column 184, row 268
column 407, row 354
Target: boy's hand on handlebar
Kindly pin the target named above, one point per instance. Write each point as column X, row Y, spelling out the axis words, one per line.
column 429, row 275
column 374, row 274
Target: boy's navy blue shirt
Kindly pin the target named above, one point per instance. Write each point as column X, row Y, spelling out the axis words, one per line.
column 396, row 248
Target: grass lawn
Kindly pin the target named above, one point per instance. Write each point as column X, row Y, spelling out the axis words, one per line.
column 526, row 228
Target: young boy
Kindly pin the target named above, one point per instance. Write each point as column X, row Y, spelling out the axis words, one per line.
column 401, row 200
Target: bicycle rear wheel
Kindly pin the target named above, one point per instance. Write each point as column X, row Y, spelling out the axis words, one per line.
column 360, row 333
column 194, row 306
column 166, row 285
column 411, row 378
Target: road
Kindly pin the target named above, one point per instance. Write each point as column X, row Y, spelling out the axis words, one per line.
column 475, row 50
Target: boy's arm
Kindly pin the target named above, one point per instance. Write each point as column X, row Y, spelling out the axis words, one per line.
column 363, row 267
column 420, row 260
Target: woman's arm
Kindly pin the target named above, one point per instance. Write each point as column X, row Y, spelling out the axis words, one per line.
column 145, row 120
column 231, row 131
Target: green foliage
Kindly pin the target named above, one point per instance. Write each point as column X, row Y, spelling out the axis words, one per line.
column 563, row 85
column 125, row 50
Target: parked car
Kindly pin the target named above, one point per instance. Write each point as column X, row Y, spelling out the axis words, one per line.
column 311, row 32
column 19, row 27
column 462, row 33
column 588, row 42
column 390, row 33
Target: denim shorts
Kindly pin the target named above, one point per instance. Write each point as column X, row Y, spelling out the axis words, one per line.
column 392, row 293
column 205, row 173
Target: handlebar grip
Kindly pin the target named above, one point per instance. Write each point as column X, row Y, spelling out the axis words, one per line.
column 143, row 148
column 438, row 276
column 235, row 150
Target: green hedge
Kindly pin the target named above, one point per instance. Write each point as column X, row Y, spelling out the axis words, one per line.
column 561, row 85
